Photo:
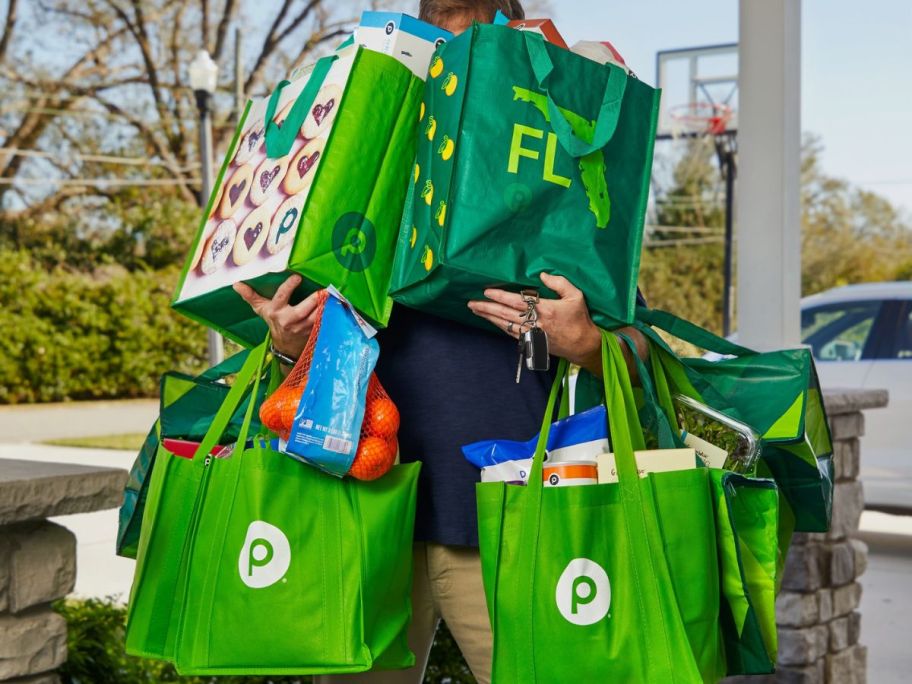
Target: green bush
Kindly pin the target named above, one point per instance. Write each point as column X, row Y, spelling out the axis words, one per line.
column 96, row 654
column 89, row 335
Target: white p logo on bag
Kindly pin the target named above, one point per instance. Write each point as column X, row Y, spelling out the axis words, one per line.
column 265, row 556
column 583, row 592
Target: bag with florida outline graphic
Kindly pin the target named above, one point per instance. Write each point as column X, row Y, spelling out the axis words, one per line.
column 612, row 582
column 530, row 158
column 281, row 569
column 313, row 183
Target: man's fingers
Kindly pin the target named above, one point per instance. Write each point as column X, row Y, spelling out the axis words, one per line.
column 308, row 306
column 500, row 323
column 511, row 299
column 563, row 287
column 285, row 290
column 505, row 313
column 249, row 295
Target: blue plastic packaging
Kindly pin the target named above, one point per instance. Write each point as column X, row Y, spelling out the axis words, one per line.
column 588, row 426
column 328, row 421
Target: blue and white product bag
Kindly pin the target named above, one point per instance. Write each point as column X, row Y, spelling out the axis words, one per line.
column 409, row 40
column 328, row 420
column 581, row 437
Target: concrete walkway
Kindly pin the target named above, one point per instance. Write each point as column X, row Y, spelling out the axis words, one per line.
column 37, row 422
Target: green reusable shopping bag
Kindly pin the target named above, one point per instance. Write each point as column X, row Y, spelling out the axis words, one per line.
column 613, row 582
column 188, row 406
column 280, row 569
column 531, row 158
column 778, row 394
column 747, row 525
column 322, row 197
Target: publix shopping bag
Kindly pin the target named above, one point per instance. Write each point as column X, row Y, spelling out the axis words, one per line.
column 188, row 406
column 778, row 394
column 281, row 569
column 313, row 183
column 610, row 582
column 530, row 158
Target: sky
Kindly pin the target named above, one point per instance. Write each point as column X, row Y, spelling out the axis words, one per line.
column 856, row 70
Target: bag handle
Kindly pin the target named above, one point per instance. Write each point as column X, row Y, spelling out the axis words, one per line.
column 655, row 412
column 280, row 139
column 607, row 120
column 689, row 332
column 251, row 370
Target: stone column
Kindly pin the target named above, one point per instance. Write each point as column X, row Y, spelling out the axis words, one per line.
column 817, row 609
column 38, row 559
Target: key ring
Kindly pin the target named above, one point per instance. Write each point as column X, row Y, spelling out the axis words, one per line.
column 531, row 298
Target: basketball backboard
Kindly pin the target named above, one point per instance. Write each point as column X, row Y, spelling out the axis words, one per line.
column 698, row 81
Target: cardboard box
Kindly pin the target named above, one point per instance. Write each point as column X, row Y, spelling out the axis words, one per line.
column 543, row 26
column 650, row 461
column 409, row 40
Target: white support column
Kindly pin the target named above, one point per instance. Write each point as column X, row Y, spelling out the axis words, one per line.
column 768, row 204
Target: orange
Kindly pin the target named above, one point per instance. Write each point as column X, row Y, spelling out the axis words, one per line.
column 381, row 418
column 278, row 411
column 374, row 458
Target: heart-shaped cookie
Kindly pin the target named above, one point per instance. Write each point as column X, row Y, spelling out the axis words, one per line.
column 249, row 144
column 323, row 111
column 303, row 167
column 251, row 236
column 237, row 188
column 266, row 179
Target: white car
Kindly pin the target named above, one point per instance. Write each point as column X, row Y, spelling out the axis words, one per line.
column 861, row 337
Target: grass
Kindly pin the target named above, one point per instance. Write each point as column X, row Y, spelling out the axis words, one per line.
column 128, row 442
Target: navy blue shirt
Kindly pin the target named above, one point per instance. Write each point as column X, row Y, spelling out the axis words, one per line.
column 455, row 384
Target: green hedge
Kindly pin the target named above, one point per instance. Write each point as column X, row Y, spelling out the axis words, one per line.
column 77, row 335
column 96, row 654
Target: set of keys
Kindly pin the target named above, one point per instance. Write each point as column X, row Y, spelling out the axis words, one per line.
column 533, row 341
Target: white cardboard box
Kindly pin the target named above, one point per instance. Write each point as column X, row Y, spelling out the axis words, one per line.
column 409, row 40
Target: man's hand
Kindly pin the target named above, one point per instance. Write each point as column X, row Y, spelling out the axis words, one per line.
column 290, row 326
column 571, row 333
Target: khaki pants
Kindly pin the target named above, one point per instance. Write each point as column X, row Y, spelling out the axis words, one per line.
column 447, row 584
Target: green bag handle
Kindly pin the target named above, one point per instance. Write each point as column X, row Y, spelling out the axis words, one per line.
column 279, row 140
column 251, row 369
column 689, row 332
column 655, row 412
column 609, row 111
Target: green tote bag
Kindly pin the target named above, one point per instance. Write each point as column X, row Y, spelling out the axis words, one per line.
column 747, row 525
column 282, row 569
column 531, row 158
column 614, row 582
column 778, row 394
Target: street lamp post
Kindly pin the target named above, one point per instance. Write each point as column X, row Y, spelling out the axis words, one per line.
column 203, row 79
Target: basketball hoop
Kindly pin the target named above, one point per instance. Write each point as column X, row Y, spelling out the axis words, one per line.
column 700, row 118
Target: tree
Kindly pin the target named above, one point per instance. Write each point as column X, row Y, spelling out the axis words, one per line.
column 96, row 97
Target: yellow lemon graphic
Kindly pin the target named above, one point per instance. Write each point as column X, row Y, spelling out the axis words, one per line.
column 414, row 237
column 431, row 129
column 436, row 67
column 441, row 214
column 446, row 148
column 450, row 83
column 417, row 172
column 421, row 113
column 427, row 258
column 428, row 193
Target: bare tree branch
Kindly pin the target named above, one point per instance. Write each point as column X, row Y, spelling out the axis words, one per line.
column 8, row 28
column 222, row 33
